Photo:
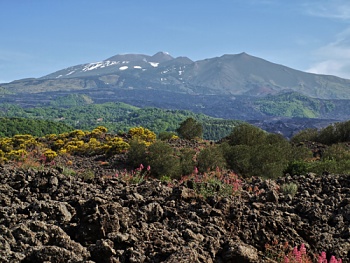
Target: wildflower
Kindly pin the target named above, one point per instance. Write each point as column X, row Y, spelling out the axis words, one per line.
column 302, row 249
column 322, row 258
column 334, row 260
column 116, row 175
column 195, row 170
column 141, row 166
column 148, row 168
column 286, row 259
column 297, row 254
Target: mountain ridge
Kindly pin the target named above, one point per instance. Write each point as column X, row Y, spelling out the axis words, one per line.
column 229, row 74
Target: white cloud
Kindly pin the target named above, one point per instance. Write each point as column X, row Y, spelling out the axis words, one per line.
column 334, row 9
column 334, row 58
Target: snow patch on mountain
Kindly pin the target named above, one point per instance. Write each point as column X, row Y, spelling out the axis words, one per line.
column 123, row 67
column 100, row 64
column 138, row 67
column 154, row 64
column 70, row 73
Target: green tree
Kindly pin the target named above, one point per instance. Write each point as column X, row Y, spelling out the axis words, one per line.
column 210, row 158
column 305, row 135
column 187, row 161
column 246, row 134
column 190, row 129
column 163, row 161
column 137, row 153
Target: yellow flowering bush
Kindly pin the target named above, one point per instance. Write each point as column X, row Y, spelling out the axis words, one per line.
column 143, row 135
column 17, row 154
column 116, row 145
column 50, row 154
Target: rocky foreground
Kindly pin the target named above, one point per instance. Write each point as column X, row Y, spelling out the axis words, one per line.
column 46, row 216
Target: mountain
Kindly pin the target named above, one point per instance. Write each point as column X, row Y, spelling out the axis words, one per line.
column 239, row 74
column 237, row 86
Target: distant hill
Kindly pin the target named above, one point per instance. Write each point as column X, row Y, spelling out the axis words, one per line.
column 13, row 126
column 117, row 117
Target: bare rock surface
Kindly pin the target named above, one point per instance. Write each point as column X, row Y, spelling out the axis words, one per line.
column 46, row 216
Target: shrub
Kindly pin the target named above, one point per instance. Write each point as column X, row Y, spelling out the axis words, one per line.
column 330, row 166
column 305, row 135
column 77, row 134
column 17, row 154
column 335, row 133
column 187, row 161
column 164, row 136
column 210, row 158
column 67, row 171
column 134, row 176
column 50, row 155
column 253, row 152
column 246, row 134
column 143, row 135
column 98, row 132
column 162, row 159
column 87, row 175
column 136, row 153
column 190, row 129
column 218, row 182
column 238, row 158
column 268, row 161
column 116, row 145
column 297, row 168
column 338, row 152
column 289, row 189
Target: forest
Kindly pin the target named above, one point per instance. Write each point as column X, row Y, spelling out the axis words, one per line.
column 117, row 117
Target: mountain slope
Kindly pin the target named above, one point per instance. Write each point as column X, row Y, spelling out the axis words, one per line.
column 239, row 74
column 239, row 87
column 247, row 75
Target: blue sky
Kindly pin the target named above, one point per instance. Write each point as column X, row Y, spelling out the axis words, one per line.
column 39, row 37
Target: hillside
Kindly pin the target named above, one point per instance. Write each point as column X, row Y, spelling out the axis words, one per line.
column 239, row 74
column 12, row 126
column 77, row 112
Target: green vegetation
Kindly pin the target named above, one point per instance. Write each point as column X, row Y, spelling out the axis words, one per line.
column 252, row 152
column 190, row 129
column 12, row 126
column 335, row 156
column 245, row 150
column 293, row 104
column 77, row 112
column 71, row 100
column 289, row 189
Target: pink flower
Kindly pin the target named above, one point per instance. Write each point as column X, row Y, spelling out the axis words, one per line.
column 148, row 168
column 286, row 260
column 334, row 260
column 195, row 170
column 116, row 175
column 297, row 254
column 322, row 258
column 302, row 249
column 141, row 166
